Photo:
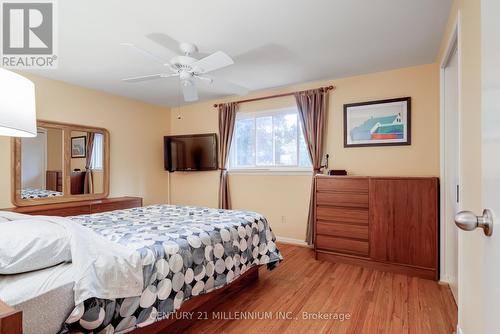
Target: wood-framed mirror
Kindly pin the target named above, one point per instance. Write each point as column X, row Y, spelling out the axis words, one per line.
column 63, row 163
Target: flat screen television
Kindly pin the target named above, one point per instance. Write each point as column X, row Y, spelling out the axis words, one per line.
column 190, row 152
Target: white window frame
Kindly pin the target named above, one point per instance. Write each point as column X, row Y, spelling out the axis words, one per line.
column 271, row 168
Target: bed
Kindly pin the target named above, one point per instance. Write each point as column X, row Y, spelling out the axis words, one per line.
column 32, row 193
column 44, row 296
column 184, row 253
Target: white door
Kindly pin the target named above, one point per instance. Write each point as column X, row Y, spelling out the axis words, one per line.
column 451, row 194
column 480, row 262
column 490, row 31
column 34, row 160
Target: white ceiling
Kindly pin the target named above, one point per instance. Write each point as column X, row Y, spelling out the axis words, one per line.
column 273, row 42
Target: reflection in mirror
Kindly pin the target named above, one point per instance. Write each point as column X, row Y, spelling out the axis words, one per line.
column 87, row 157
column 42, row 164
column 64, row 163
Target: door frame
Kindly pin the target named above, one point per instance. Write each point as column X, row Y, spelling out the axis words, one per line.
column 454, row 42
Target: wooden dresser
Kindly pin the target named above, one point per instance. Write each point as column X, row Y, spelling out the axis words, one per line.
column 53, row 180
column 81, row 207
column 77, row 183
column 388, row 223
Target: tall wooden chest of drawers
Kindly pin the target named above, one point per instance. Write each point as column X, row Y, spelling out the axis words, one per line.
column 380, row 222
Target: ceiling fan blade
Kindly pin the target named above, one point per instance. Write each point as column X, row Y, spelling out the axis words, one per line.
column 213, row 62
column 224, row 85
column 149, row 77
column 146, row 53
column 166, row 41
column 189, row 91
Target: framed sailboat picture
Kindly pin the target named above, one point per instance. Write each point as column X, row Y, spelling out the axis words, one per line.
column 378, row 123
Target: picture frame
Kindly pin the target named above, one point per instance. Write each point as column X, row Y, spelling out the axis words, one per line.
column 378, row 123
column 79, row 147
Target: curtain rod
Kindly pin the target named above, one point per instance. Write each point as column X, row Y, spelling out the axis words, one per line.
column 277, row 95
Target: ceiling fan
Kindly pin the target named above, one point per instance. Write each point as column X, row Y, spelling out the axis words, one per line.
column 188, row 69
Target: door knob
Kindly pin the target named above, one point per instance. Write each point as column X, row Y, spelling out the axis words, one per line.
column 468, row 221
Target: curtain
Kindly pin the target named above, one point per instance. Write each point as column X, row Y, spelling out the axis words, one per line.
column 227, row 117
column 312, row 111
column 88, row 183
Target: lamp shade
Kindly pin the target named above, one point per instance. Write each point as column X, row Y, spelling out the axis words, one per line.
column 17, row 105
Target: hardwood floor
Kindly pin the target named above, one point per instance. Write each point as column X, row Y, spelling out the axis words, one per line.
column 377, row 302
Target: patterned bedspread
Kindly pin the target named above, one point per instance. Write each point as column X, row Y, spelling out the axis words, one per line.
column 186, row 251
column 31, row 193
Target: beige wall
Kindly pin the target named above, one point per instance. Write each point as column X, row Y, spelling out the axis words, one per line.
column 136, row 130
column 54, row 149
column 283, row 198
column 278, row 196
column 470, row 307
column 98, row 177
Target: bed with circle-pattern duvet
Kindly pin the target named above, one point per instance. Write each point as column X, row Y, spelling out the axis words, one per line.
column 186, row 251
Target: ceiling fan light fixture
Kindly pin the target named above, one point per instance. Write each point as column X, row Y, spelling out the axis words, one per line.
column 188, row 69
column 187, row 82
column 185, row 75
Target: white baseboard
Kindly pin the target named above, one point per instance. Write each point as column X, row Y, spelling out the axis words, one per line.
column 443, row 281
column 292, row 241
column 459, row 330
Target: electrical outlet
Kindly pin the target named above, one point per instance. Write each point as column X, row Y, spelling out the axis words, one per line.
column 283, row 219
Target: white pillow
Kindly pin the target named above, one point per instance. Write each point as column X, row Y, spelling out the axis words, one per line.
column 7, row 216
column 32, row 244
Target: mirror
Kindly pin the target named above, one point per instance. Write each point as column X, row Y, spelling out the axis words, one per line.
column 87, row 154
column 63, row 163
column 42, row 164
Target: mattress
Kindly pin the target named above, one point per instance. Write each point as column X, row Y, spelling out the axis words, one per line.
column 45, row 297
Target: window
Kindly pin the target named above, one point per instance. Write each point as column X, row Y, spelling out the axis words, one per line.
column 97, row 152
column 269, row 140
